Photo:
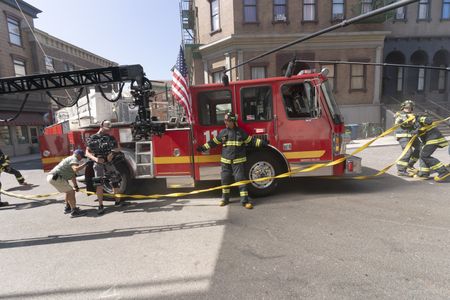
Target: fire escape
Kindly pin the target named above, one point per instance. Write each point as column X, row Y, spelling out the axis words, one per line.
column 187, row 20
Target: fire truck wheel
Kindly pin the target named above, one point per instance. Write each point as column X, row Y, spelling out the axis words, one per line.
column 259, row 165
column 125, row 183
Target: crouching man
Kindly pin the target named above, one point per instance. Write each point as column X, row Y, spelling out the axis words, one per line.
column 61, row 174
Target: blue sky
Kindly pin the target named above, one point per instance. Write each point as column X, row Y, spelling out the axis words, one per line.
column 145, row 32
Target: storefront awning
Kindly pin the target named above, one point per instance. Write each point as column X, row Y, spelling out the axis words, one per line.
column 25, row 118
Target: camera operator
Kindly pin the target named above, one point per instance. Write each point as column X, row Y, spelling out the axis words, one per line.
column 100, row 149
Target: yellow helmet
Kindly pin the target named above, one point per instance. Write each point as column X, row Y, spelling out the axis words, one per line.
column 232, row 117
column 406, row 103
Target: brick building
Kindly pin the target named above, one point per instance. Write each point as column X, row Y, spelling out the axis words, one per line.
column 20, row 54
column 219, row 34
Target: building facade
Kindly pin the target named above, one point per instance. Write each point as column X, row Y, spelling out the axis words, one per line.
column 420, row 35
column 21, row 54
column 227, row 33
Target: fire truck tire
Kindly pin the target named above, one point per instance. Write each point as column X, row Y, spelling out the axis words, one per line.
column 125, row 184
column 262, row 164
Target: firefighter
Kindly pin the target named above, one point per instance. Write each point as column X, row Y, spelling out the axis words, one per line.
column 234, row 139
column 6, row 167
column 431, row 140
column 403, row 134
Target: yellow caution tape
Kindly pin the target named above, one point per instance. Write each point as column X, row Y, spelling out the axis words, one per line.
column 283, row 175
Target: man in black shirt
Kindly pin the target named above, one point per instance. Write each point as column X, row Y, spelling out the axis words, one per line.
column 100, row 150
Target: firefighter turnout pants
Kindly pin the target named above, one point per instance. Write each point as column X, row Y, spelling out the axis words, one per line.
column 10, row 170
column 238, row 172
column 429, row 164
column 411, row 157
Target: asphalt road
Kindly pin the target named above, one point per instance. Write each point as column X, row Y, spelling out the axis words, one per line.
column 316, row 238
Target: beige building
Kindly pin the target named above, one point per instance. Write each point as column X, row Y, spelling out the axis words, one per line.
column 220, row 34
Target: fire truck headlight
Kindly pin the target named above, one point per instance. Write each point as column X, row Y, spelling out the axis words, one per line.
column 176, row 152
column 46, row 153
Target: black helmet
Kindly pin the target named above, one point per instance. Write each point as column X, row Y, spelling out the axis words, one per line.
column 407, row 103
column 230, row 116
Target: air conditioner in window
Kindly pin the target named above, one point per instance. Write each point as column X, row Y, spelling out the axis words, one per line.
column 280, row 17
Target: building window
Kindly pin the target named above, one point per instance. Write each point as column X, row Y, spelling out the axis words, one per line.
column 49, row 64
column 217, row 77
column 400, row 13
column 279, row 11
column 19, row 67
column 250, row 11
column 309, row 10
column 34, row 135
column 366, row 6
column 331, row 75
column 256, row 104
column 338, row 9
column 258, row 72
column 5, row 137
column 68, row 67
column 215, row 23
column 22, row 135
column 445, row 9
column 421, row 80
column 357, row 77
column 424, row 10
column 14, row 31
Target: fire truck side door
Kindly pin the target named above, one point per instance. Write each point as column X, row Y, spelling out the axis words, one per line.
column 304, row 132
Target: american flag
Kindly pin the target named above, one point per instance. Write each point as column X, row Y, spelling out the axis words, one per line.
column 180, row 86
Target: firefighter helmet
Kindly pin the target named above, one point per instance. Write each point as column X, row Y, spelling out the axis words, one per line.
column 232, row 117
column 406, row 103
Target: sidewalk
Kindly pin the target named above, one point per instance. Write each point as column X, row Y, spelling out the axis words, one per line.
column 23, row 158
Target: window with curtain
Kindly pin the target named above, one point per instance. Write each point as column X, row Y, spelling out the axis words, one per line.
column 250, row 11
column 357, row 77
column 279, row 11
column 215, row 22
column 309, row 10
column 337, row 12
column 49, row 64
column 14, row 31
column 424, row 10
column 19, row 67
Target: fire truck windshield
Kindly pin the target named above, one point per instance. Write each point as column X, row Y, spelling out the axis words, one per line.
column 331, row 103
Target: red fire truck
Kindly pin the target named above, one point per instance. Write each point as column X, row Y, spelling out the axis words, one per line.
column 297, row 115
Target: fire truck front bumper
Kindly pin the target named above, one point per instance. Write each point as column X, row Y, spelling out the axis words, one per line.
column 353, row 165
